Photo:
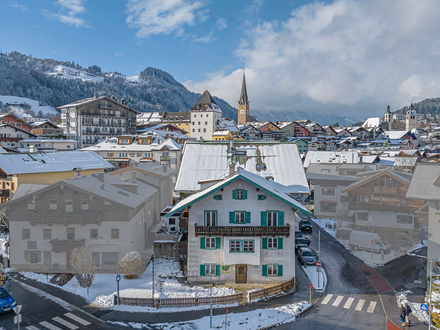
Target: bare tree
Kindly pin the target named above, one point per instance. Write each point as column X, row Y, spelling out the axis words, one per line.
column 343, row 214
column 82, row 262
column 131, row 264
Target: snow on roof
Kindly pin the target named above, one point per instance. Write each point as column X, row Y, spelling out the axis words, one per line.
column 395, row 135
column 371, row 122
column 205, row 162
column 113, row 146
column 331, row 157
column 228, row 124
column 3, row 151
column 398, row 161
column 27, row 188
column 425, row 182
column 273, row 188
column 221, row 133
column 47, row 140
column 370, row 159
column 61, row 161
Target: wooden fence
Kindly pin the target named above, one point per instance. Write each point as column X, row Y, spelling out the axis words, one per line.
column 180, row 302
column 272, row 290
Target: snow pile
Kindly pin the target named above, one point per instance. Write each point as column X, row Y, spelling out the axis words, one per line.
column 167, row 284
column 257, row 319
column 15, row 101
column 3, row 239
column 329, row 225
column 314, row 276
column 415, row 307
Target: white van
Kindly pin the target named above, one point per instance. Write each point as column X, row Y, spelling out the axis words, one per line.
column 362, row 240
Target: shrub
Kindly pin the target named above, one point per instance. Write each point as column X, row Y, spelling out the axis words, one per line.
column 131, row 264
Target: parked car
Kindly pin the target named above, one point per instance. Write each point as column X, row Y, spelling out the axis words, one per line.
column 361, row 240
column 298, row 234
column 343, row 233
column 305, row 225
column 7, row 303
column 306, row 256
column 308, row 241
column 299, row 243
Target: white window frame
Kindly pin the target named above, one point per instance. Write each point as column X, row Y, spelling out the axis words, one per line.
column 272, row 270
column 248, row 246
column 272, row 218
column 272, row 243
column 209, row 269
column 234, row 246
column 240, row 193
column 208, row 220
column 209, row 243
column 240, row 216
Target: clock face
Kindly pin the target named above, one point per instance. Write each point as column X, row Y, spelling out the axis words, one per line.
column 241, row 111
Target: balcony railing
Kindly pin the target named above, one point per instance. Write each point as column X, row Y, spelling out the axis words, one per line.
column 381, row 207
column 242, row 230
column 165, row 158
column 66, row 245
column 385, row 190
column 66, row 219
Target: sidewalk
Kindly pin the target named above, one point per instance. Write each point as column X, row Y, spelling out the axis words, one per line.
column 112, row 314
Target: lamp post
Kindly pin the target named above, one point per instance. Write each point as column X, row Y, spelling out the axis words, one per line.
column 430, row 284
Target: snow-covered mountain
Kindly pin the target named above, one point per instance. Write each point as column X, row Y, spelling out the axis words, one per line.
column 62, row 71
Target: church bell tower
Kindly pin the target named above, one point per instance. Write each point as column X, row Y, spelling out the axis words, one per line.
column 243, row 104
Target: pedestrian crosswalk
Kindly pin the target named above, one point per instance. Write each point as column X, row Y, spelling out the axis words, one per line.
column 68, row 321
column 348, row 303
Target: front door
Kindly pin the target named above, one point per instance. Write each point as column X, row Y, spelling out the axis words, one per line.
column 241, row 274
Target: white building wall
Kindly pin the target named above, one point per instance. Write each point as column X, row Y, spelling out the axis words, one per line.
column 197, row 256
column 204, row 120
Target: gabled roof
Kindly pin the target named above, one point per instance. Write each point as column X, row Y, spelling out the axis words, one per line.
column 243, row 95
column 17, row 129
column 373, row 175
column 206, row 103
column 425, row 183
column 331, row 157
column 92, row 99
column 270, row 187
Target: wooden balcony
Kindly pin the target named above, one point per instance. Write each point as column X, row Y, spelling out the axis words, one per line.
column 242, row 230
column 66, row 219
column 66, row 245
column 385, row 190
column 381, row 207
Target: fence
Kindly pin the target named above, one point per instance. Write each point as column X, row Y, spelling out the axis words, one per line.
column 272, row 290
column 180, row 302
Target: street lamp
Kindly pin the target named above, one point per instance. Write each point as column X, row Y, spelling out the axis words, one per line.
column 117, row 275
column 430, row 285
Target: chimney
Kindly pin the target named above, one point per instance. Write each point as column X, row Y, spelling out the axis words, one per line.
column 101, row 176
column 33, row 149
column 231, row 169
column 134, row 176
column 164, row 168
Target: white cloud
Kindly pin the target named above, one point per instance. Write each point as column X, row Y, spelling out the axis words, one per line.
column 205, row 40
column 69, row 10
column 348, row 55
column 17, row 6
column 163, row 16
column 221, row 23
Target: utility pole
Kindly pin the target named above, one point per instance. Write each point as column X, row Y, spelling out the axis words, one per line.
column 319, row 251
column 153, row 277
column 117, row 275
column 210, row 301
column 430, row 293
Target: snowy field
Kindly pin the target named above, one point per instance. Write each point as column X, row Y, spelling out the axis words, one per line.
column 35, row 107
column 166, row 274
column 369, row 258
column 257, row 319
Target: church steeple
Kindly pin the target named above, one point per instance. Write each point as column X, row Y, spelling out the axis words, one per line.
column 243, row 104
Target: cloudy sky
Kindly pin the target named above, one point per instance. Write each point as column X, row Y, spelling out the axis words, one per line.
column 343, row 57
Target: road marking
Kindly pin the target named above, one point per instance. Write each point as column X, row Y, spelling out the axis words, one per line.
column 348, row 303
column 327, row 299
column 49, row 326
column 65, row 323
column 360, row 305
column 371, row 307
column 77, row 319
column 32, row 328
column 338, row 301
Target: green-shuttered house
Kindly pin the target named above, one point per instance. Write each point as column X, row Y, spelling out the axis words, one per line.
column 241, row 230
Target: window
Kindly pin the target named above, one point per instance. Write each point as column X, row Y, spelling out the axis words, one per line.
column 210, row 218
column 248, row 246
column 206, row 123
column 107, row 206
column 240, row 217
column 239, row 194
column 198, row 123
column 69, row 205
column 272, row 217
column 12, row 186
column 272, row 270
column 210, row 242
column 403, row 202
column 71, row 234
column 93, row 233
column 115, row 233
column 210, row 270
column 272, row 243
column 364, row 199
column 109, row 258
column 199, row 130
column 362, row 216
column 328, row 191
column 31, row 205
column 26, row 234
column 405, row 219
column 234, row 246
column 328, row 207
column 53, row 205
column 172, row 221
column 84, row 205
column 204, row 130
column 95, row 259
column 47, row 233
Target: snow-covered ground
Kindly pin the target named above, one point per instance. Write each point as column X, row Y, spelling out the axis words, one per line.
column 415, row 307
column 71, row 73
column 257, row 319
column 35, row 106
column 369, row 258
column 3, row 239
column 318, row 280
column 166, row 285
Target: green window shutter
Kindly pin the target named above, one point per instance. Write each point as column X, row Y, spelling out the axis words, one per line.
column 202, row 242
column 280, row 270
column 218, row 197
column 261, row 197
column 202, row 270
column 244, row 194
column 234, row 194
column 217, row 242
column 264, row 243
column 280, row 243
column 231, row 217
column 263, row 218
column 280, row 218
column 264, row 270
column 217, row 270
column 247, row 217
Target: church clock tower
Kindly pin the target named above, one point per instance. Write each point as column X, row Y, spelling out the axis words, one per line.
column 243, row 104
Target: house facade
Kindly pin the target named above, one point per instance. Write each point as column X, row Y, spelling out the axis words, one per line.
column 241, row 230
column 205, row 116
column 15, row 121
column 10, row 135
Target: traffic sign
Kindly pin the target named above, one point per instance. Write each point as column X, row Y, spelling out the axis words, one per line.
column 381, row 246
column 424, row 307
column 17, row 309
column 118, row 278
column 372, row 242
column 318, row 264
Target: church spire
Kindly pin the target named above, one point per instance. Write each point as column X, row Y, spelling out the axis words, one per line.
column 243, row 95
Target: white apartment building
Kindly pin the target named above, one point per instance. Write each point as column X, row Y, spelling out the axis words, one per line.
column 205, row 117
